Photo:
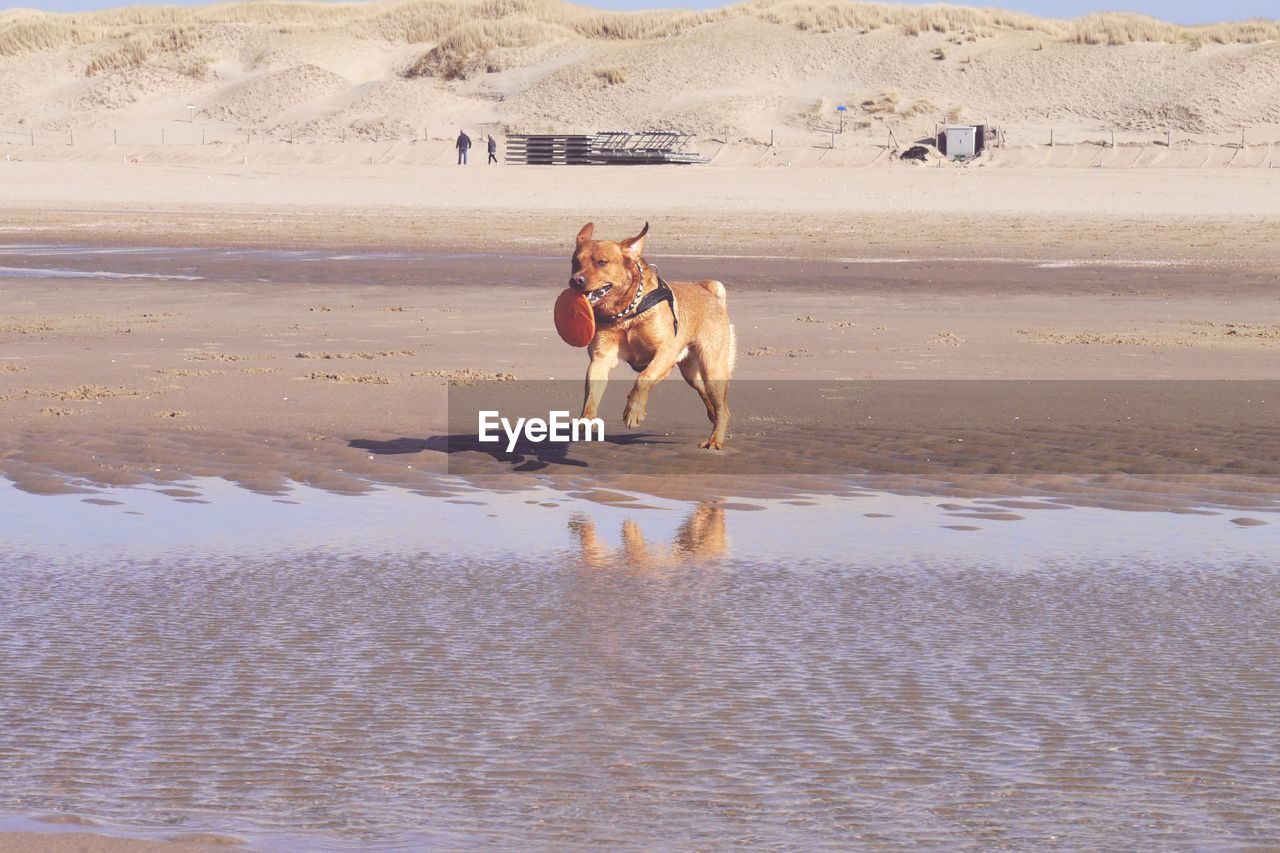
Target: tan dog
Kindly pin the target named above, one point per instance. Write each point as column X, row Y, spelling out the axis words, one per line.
column 653, row 327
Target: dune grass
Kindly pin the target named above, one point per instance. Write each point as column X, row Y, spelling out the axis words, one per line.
column 471, row 24
column 136, row 49
column 1115, row 28
column 453, row 54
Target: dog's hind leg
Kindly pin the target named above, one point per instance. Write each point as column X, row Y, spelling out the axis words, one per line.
column 714, row 367
column 691, row 370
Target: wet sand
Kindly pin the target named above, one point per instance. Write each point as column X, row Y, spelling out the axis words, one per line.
column 334, row 369
column 260, row 591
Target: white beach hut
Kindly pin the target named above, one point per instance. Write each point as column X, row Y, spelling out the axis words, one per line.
column 962, row 141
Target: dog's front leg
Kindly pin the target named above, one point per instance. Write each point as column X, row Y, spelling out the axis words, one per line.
column 603, row 359
column 638, row 400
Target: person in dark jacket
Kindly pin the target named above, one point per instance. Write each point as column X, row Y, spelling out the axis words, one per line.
column 464, row 145
column 493, row 149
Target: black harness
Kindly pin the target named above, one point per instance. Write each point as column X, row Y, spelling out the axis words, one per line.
column 643, row 302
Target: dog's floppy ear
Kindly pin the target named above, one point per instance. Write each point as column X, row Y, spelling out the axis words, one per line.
column 633, row 246
column 585, row 234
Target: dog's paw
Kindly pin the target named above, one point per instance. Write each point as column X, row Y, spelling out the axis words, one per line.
column 712, row 444
column 633, row 414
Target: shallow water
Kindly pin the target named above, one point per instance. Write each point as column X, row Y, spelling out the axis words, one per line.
column 528, row 669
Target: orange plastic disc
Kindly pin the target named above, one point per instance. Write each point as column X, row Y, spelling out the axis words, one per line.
column 575, row 321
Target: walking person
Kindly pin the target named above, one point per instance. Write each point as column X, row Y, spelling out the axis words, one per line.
column 464, row 145
column 493, row 149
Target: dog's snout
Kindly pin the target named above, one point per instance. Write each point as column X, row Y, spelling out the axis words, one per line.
column 578, row 282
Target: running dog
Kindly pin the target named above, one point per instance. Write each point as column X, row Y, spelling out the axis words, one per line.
column 653, row 326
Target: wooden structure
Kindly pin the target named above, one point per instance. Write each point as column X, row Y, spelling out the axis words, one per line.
column 607, row 148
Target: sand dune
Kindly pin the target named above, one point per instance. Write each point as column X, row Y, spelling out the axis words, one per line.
column 760, row 70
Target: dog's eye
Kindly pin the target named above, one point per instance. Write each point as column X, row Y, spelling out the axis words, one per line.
column 601, row 262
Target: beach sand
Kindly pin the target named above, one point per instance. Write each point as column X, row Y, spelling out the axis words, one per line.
column 336, row 370
column 263, row 334
column 1158, row 216
column 995, row 517
column 87, row 842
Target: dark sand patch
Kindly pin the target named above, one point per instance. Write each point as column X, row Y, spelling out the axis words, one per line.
column 183, row 372
column 85, row 842
column 83, row 392
column 781, row 352
column 350, row 378
column 465, row 374
column 1202, row 333
column 228, row 357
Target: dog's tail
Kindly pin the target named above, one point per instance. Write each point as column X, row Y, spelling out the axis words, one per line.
column 717, row 290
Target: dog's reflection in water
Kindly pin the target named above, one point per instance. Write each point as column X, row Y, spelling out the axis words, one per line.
column 701, row 538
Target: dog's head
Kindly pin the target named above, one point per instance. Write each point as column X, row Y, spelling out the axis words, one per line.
column 601, row 266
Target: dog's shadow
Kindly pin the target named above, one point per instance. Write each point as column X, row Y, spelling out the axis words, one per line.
column 526, row 456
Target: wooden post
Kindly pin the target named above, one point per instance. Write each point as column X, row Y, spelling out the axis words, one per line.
column 770, row 137
column 290, row 134
column 1113, row 139
column 247, row 136
column 1242, row 139
column 1168, row 139
column 72, row 135
column 33, row 137
column 202, row 136
column 833, row 140
column 115, row 137
column 1051, row 137
column 344, row 134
